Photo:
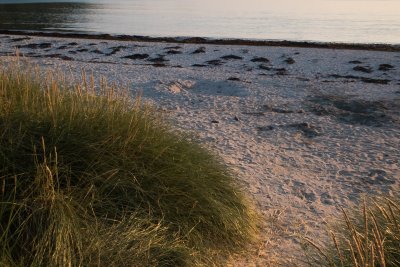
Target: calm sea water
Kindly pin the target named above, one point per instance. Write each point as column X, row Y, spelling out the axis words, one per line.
column 354, row 21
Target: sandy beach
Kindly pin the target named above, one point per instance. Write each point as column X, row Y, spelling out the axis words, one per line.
column 306, row 129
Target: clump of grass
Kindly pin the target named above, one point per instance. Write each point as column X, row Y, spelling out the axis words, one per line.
column 367, row 236
column 90, row 177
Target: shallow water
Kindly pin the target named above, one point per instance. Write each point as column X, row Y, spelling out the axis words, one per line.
column 354, row 21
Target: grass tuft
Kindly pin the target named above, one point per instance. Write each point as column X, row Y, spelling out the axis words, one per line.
column 366, row 236
column 90, row 177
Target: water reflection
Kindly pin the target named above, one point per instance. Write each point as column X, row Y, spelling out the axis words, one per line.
column 45, row 16
column 309, row 20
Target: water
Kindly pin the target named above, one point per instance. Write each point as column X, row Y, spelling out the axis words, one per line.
column 352, row 21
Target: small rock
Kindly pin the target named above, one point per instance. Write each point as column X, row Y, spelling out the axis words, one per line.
column 137, row 56
column 97, row 51
column 159, row 65
column 199, row 50
column 236, row 118
column 290, row 60
column 377, row 81
column 281, row 71
column 215, row 62
column 264, row 67
column 115, row 50
column 52, row 55
column 355, row 62
column 363, row 69
column 173, row 52
column 66, row 58
column 214, row 121
column 158, row 59
column 385, row 67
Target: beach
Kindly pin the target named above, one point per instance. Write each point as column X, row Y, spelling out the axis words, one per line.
column 307, row 130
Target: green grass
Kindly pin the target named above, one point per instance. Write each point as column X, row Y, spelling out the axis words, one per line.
column 90, row 177
column 366, row 236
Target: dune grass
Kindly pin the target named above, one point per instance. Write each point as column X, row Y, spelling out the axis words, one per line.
column 366, row 236
column 90, row 177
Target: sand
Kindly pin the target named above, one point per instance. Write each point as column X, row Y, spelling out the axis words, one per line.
column 307, row 130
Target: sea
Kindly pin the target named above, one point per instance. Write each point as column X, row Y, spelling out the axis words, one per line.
column 343, row 21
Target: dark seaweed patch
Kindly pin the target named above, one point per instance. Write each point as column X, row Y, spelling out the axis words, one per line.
column 137, row 56
column 229, row 57
column 260, row 59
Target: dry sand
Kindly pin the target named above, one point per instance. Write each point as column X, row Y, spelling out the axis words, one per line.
column 307, row 130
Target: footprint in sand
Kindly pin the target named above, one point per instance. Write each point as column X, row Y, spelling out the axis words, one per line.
column 301, row 190
column 379, row 177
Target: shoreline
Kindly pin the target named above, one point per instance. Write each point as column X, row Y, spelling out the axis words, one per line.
column 208, row 41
